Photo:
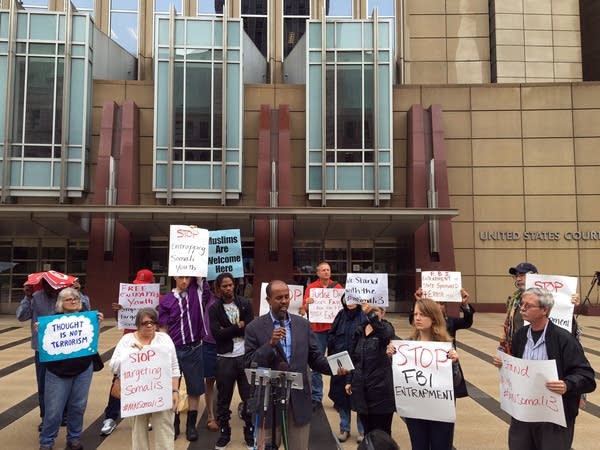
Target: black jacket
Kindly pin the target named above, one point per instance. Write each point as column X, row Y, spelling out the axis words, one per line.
column 372, row 380
column 571, row 364
column 222, row 329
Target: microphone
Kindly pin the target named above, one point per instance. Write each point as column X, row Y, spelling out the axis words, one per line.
column 281, row 351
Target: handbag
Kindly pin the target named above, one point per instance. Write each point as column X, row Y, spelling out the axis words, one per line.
column 97, row 362
column 115, row 389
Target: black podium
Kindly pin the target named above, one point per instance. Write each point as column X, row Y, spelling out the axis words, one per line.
column 271, row 393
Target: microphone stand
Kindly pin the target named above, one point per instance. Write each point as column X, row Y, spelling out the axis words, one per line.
column 586, row 300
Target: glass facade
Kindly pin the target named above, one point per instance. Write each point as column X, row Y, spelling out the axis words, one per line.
column 84, row 6
column 295, row 15
column 124, row 24
column 35, row 157
column 197, row 95
column 355, row 95
column 339, row 8
column 255, row 15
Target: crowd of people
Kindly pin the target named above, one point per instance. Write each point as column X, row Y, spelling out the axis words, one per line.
column 211, row 337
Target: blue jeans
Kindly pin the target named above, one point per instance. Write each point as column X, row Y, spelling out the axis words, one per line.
column 345, row 419
column 317, row 378
column 40, row 375
column 71, row 392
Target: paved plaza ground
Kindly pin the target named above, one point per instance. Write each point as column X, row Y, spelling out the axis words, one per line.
column 480, row 422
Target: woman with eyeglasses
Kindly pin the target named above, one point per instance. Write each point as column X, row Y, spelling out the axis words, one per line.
column 67, row 384
column 429, row 325
column 146, row 334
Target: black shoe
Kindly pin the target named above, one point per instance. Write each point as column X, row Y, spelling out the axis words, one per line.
column 249, row 435
column 74, row 445
column 224, row 438
column 176, row 426
column 191, row 433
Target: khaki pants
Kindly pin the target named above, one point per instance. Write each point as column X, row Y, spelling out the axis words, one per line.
column 162, row 430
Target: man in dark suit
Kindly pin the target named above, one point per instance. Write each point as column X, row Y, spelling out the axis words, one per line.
column 283, row 341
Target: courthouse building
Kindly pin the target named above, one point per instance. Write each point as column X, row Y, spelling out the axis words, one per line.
column 389, row 136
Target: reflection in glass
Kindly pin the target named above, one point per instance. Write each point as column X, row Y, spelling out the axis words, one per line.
column 124, row 5
column 35, row 4
column 349, row 107
column 385, row 8
column 197, row 114
column 293, row 30
column 163, row 6
column 254, row 7
column 339, row 8
column 256, row 28
column 124, row 30
column 296, row 7
column 210, row 7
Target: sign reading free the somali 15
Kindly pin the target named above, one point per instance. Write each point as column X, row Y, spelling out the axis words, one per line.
column 65, row 336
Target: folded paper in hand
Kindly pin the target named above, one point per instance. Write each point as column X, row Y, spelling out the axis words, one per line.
column 341, row 359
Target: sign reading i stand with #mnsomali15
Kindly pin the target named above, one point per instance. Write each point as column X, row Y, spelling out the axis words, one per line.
column 66, row 336
column 225, row 254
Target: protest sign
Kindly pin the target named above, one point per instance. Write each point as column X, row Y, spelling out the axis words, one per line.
column 327, row 303
column 146, row 382
column 188, row 251
column 561, row 288
column 225, row 254
column 523, row 391
column 296, row 296
column 441, row 285
column 367, row 287
column 132, row 298
column 66, row 336
column 423, row 384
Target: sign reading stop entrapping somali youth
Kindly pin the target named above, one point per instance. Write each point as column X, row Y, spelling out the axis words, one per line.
column 367, row 287
column 423, row 383
column 146, row 382
column 523, row 391
column 66, row 336
column 225, row 254
column 327, row 303
column 561, row 288
column 132, row 298
column 188, row 251
column 441, row 285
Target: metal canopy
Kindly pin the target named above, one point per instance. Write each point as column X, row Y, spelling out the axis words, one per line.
column 315, row 223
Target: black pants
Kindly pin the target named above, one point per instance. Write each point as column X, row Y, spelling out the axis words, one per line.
column 540, row 435
column 113, row 407
column 430, row 434
column 381, row 422
column 228, row 372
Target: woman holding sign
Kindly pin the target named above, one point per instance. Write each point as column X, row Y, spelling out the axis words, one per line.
column 67, row 384
column 146, row 322
column 429, row 325
column 371, row 384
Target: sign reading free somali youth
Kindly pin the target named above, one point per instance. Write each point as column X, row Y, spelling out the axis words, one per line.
column 66, row 336
column 132, row 298
column 225, row 254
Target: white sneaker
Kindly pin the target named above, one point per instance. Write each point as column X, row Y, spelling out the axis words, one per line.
column 108, row 426
column 149, row 426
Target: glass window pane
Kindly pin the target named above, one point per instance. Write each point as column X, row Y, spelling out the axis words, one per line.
column 296, row 7
column 40, row 100
column 254, row 7
column 198, row 107
column 43, row 26
column 314, row 106
column 349, row 178
column 84, row 5
column 35, row 4
column 197, row 177
column 36, row 173
column 385, row 8
column 124, row 30
column 164, row 6
column 293, row 30
column 199, row 32
column 212, row 7
column 76, row 112
column 349, row 107
column 339, row 8
column 348, row 35
column 233, row 105
column 178, row 107
column 256, row 28
column 368, row 107
column 124, row 5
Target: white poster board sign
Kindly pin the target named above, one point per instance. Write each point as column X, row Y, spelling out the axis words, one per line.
column 132, row 298
column 188, row 251
column 367, row 287
column 423, row 383
column 296, row 296
column 523, row 392
column 441, row 285
column 561, row 288
column 146, row 382
column 327, row 303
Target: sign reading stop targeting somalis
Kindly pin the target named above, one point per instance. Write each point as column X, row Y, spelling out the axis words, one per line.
column 146, row 382
column 423, row 384
column 188, row 251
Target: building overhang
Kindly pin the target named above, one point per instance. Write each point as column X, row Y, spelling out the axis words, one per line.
column 309, row 223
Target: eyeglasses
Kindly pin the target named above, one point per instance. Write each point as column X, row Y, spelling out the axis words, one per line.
column 526, row 306
column 71, row 300
column 148, row 322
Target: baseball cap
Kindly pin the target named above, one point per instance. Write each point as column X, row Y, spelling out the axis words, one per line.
column 144, row 276
column 523, row 267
